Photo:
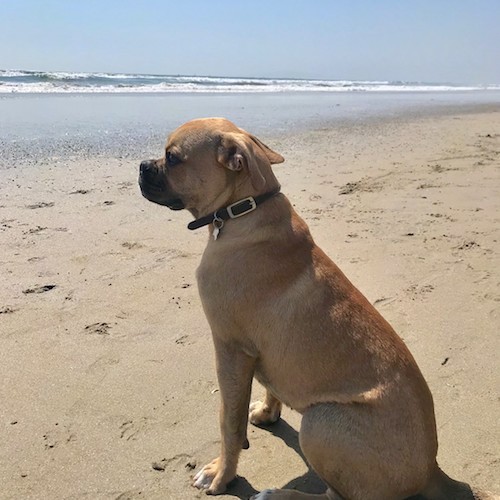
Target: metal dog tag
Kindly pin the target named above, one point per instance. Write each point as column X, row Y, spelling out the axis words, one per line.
column 217, row 223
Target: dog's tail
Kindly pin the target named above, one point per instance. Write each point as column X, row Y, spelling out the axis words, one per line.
column 442, row 487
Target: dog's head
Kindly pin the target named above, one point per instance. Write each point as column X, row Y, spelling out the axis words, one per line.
column 208, row 163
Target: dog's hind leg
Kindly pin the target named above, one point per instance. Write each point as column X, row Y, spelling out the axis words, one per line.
column 359, row 452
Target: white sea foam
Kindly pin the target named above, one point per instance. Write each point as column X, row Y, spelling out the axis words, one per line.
column 39, row 82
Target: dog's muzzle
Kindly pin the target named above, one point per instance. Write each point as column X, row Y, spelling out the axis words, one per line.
column 153, row 184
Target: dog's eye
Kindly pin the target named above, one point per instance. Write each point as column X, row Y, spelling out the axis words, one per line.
column 172, row 160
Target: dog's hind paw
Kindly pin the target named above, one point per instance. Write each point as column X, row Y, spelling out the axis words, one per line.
column 262, row 414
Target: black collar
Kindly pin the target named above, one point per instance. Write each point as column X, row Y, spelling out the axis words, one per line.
column 241, row 207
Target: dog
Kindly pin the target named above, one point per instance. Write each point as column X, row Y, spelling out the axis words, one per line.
column 281, row 311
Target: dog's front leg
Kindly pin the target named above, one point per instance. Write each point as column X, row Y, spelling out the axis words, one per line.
column 235, row 372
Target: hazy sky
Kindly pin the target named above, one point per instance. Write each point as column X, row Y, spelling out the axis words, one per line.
column 454, row 41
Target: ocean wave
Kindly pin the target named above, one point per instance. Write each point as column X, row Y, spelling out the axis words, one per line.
column 43, row 82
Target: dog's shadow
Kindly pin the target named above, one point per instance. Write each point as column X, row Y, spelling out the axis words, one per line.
column 307, row 483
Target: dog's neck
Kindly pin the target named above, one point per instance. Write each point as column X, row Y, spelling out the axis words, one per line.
column 234, row 210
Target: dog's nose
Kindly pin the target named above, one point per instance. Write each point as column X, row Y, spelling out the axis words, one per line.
column 146, row 166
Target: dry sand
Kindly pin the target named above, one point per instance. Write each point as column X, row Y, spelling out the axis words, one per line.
column 108, row 388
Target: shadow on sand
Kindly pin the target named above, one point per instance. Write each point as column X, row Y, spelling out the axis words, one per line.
column 307, row 483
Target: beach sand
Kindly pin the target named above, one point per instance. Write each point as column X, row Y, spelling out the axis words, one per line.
column 108, row 386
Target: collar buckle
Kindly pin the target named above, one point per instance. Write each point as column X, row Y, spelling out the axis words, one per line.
column 233, row 211
column 241, row 207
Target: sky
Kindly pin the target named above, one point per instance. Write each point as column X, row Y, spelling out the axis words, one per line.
column 455, row 41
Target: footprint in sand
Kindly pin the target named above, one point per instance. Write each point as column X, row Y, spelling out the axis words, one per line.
column 61, row 434
column 130, row 495
column 35, row 259
column 6, row 224
column 7, row 310
column 81, row 191
column 130, row 428
column 132, row 245
column 468, row 245
column 419, row 291
column 428, row 186
column 365, row 185
column 182, row 460
column 101, row 365
column 41, row 204
column 439, row 169
column 35, row 230
column 39, row 289
column 183, row 340
column 125, row 185
column 98, row 328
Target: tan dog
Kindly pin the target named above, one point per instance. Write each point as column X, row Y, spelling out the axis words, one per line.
column 281, row 311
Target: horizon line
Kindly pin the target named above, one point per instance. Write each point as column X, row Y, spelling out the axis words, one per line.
column 175, row 75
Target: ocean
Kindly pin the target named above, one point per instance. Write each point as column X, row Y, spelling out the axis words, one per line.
column 46, row 115
column 41, row 82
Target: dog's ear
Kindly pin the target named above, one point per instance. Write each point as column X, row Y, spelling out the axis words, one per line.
column 272, row 156
column 239, row 152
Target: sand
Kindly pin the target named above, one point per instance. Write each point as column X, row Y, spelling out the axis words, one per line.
column 108, row 388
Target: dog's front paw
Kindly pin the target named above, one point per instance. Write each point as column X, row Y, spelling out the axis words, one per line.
column 212, row 479
column 263, row 414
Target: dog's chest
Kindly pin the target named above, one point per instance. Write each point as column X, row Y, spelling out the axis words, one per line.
column 218, row 286
column 227, row 289
column 217, row 283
